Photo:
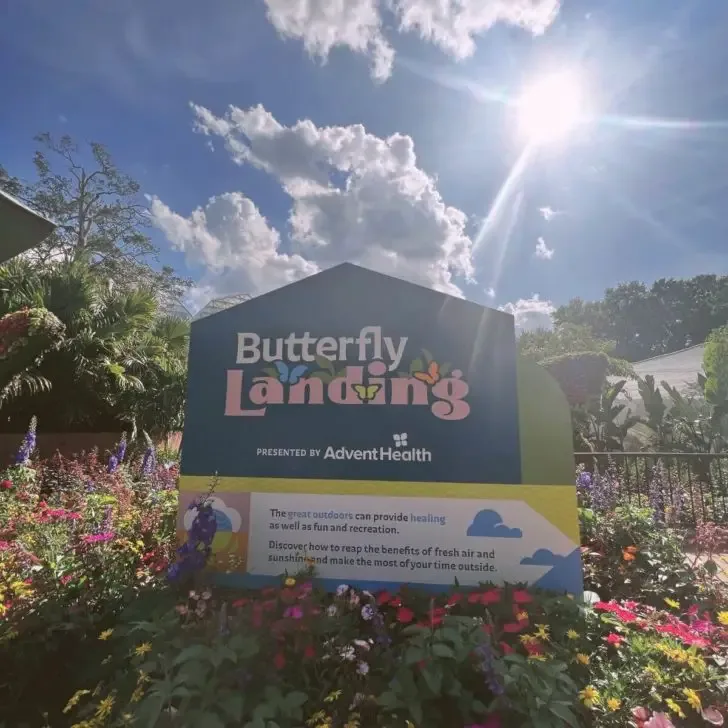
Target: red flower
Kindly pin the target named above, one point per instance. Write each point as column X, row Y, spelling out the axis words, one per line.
column 473, row 598
column 454, row 599
column 507, row 649
column 533, row 648
column 513, row 627
column 309, row 652
column 6, row 484
column 405, row 615
column 270, row 605
column 521, row 596
column 614, row 639
column 384, row 598
column 492, row 596
column 279, row 661
column 395, row 602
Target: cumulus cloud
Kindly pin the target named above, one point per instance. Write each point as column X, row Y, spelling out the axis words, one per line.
column 235, row 245
column 453, row 25
column 354, row 197
column 531, row 313
column 543, row 251
column 490, row 292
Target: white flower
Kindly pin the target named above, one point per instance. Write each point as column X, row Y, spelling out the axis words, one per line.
column 367, row 594
column 363, row 644
column 362, row 668
column 331, row 610
column 367, row 612
column 341, row 590
column 347, row 653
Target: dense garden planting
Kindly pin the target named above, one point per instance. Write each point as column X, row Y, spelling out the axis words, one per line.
column 103, row 624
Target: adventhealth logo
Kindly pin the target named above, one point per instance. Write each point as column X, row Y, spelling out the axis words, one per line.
column 399, row 453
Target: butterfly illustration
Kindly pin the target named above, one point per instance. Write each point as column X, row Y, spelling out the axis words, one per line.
column 366, row 393
column 431, row 376
column 289, row 375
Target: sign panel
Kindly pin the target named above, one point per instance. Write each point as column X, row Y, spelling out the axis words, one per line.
column 357, row 420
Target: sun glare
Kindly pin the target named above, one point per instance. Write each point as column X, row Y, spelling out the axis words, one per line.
column 550, row 108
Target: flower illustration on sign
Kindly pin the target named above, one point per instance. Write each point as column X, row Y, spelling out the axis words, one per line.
column 400, row 440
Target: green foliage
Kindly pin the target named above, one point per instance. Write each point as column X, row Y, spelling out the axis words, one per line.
column 715, row 365
column 582, row 377
column 119, row 364
column 25, row 337
column 628, row 552
column 643, row 322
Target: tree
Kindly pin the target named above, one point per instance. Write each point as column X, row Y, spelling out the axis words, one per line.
column 117, row 362
column 101, row 216
column 715, row 366
column 644, row 322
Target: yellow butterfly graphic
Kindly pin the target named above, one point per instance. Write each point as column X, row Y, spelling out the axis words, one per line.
column 366, row 394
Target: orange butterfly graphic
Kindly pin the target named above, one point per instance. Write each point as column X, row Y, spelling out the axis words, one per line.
column 431, row 376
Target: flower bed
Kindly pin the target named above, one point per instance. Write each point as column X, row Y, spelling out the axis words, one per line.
column 88, row 613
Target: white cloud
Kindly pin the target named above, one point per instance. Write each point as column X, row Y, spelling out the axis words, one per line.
column 357, row 24
column 354, row 197
column 234, row 243
column 490, row 292
column 543, row 251
column 547, row 212
column 531, row 313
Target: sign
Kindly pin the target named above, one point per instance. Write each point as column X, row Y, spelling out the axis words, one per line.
column 383, row 430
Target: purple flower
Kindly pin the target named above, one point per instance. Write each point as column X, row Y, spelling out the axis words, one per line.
column 194, row 553
column 149, row 461
column 121, row 448
column 367, row 612
column 485, row 655
column 113, row 464
column 28, row 445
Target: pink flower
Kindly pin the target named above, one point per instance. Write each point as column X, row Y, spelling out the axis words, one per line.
column 712, row 716
column 97, row 537
column 294, row 612
column 659, row 720
column 614, row 639
column 405, row 615
column 6, row 484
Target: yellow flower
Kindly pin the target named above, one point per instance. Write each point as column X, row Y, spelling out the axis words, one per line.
column 572, row 634
column 75, row 698
column 316, row 718
column 290, row 581
column 582, row 658
column 409, row 724
column 542, row 631
column 521, row 616
column 723, row 618
column 142, row 649
column 614, row 704
column 589, row 696
column 671, row 603
column 106, row 634
column 675, row 708
column 693, row 699
column 538, row 657
column 528, row 639
column 105, row 707
column 332, row 697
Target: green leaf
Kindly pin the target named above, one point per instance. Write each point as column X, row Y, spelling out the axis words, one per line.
column 325, row 363
column 209, row 720
column 711, row 567
column 193, row 652
column 440, row 649
column 427, row 355
column 445, row 369
column 232, row 706
column 271, row 372
column 561, row 711
column 296, row 699
column 432, row 675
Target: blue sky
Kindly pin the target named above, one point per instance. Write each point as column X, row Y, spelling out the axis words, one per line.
column 307, row 172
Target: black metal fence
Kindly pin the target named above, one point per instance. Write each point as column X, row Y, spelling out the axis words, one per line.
column 694, row 483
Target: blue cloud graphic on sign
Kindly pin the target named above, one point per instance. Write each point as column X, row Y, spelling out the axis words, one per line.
column 489, row 524
column 565, row 574
column 542, row 557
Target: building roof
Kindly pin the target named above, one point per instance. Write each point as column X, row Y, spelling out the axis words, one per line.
column 20, row 227
column 220, row 304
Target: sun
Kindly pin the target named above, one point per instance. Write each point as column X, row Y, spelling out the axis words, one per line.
column 550, row 108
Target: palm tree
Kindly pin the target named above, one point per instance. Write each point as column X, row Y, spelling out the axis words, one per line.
column 117, row 364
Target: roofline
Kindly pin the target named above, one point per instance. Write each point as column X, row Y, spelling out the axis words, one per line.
column 23, row 205
column 662, row 356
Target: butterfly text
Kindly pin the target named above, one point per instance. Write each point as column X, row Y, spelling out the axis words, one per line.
column 370, row 344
